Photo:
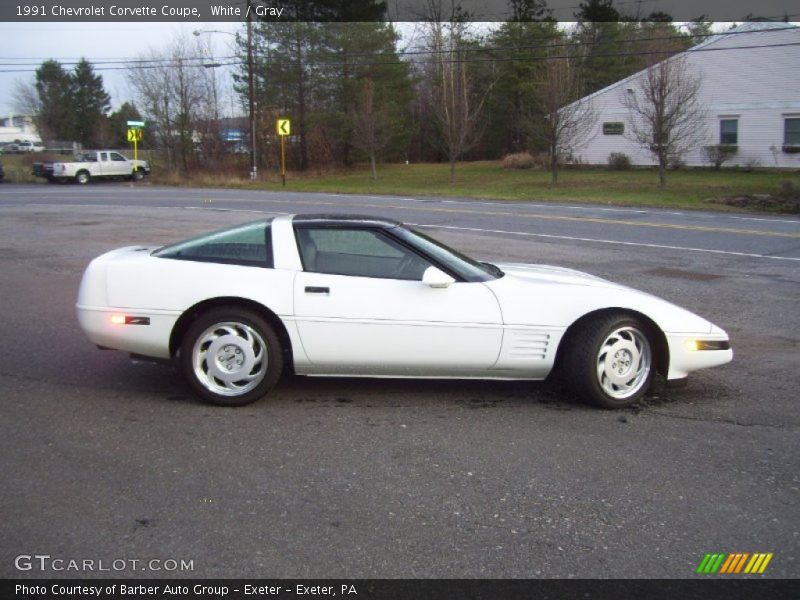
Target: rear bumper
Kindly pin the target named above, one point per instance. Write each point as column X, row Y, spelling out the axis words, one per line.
column 148, row 340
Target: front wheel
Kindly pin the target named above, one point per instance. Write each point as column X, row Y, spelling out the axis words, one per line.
column 609, row 361
column 231, row 356
column 137, row 175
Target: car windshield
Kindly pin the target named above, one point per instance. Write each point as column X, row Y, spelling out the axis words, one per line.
column 467, row 268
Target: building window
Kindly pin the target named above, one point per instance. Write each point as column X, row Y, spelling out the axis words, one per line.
column 791, row 131
column 613, row 128
column 729, row 131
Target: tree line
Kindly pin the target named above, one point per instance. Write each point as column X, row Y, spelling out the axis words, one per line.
column 455, row 90
column 73, row 106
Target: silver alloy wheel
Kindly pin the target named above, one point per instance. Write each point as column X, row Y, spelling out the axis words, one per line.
column 82, row 177
column 230, row 358
column 624, row 362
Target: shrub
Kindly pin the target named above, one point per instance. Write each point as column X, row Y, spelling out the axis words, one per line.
column 519, row 160
column 751, row 164
column 717, row 155
column 619, row 161
column 676, row 163
column 788, row 190
column 572, row 161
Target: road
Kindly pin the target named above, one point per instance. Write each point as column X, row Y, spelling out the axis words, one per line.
column 106, row 459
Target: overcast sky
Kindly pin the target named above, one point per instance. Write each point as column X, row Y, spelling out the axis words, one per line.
column 36, row 42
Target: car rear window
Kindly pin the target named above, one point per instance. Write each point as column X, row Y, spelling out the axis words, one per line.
column 248, row 245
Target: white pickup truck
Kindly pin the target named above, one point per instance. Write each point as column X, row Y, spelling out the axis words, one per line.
column 93, row 165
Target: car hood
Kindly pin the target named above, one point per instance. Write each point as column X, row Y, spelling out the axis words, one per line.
column 547, row 295
column 550, row 274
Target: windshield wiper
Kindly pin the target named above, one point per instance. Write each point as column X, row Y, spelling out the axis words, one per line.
column 494, row 269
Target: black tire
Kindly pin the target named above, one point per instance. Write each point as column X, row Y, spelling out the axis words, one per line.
column 137, row 175
column 606, row 352
column 82, row 177
column 235, row 339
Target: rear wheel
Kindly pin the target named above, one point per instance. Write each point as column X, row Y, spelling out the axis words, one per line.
column 609, row 361
column 231, row 356
column 82, row 177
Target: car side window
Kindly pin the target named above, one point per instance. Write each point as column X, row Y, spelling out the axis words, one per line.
column 358, row 252
column 248, row 245
column 117, row 157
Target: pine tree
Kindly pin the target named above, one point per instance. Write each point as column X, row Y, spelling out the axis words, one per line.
column 313, row 71
column 516, row 96
column 54, row 85
column 90, row 103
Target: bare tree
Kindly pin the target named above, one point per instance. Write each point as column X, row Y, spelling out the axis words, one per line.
column 567, row 120
column 171, row 92
column 666, row 117
column 209, row 113
column 457, row 104
column 151, row 87
column 371, row 132
column 25, row 99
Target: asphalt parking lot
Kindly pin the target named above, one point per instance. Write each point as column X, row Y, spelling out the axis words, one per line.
column 105, row 459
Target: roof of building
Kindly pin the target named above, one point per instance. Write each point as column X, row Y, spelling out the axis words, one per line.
column 749, row 28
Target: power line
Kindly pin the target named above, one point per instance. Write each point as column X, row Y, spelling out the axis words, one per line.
column 176, row 61
column 439, row 61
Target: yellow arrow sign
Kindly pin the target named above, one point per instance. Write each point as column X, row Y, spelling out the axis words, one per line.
column 134, row 135
column 284, row 127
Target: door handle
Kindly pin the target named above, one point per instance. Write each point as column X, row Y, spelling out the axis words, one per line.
column 318, row 290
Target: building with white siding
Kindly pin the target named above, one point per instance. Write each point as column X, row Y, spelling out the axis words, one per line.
column 751, row 99
column 18, row 128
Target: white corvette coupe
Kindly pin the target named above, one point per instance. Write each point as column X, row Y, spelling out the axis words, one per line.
column 336, row 295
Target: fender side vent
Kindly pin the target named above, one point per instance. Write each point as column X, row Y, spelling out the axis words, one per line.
column 528, row 345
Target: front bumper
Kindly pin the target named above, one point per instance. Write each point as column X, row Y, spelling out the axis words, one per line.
column 690, row 352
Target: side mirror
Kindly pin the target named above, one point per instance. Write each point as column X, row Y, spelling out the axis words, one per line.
column 436, row 278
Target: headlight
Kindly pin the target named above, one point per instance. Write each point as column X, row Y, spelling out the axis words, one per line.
column 697, row 345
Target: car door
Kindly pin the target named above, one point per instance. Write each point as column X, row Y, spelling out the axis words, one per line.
column 104, row 166
column 361, row 308
column 119, row 165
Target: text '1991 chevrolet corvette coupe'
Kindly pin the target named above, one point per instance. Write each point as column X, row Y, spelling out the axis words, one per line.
column 337, row 295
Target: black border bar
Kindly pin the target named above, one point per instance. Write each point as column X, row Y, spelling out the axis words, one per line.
column 196, row 11
column 412, row 589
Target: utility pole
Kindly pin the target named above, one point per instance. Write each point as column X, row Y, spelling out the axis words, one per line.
column 251, row 92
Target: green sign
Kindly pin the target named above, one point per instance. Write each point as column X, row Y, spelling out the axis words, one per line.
column 135, row 123
column 613, row 128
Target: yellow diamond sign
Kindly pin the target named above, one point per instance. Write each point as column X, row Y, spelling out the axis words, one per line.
column 134, row 135
column 284, row 127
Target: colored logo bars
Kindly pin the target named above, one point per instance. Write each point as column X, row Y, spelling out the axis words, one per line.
column 728, row 564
